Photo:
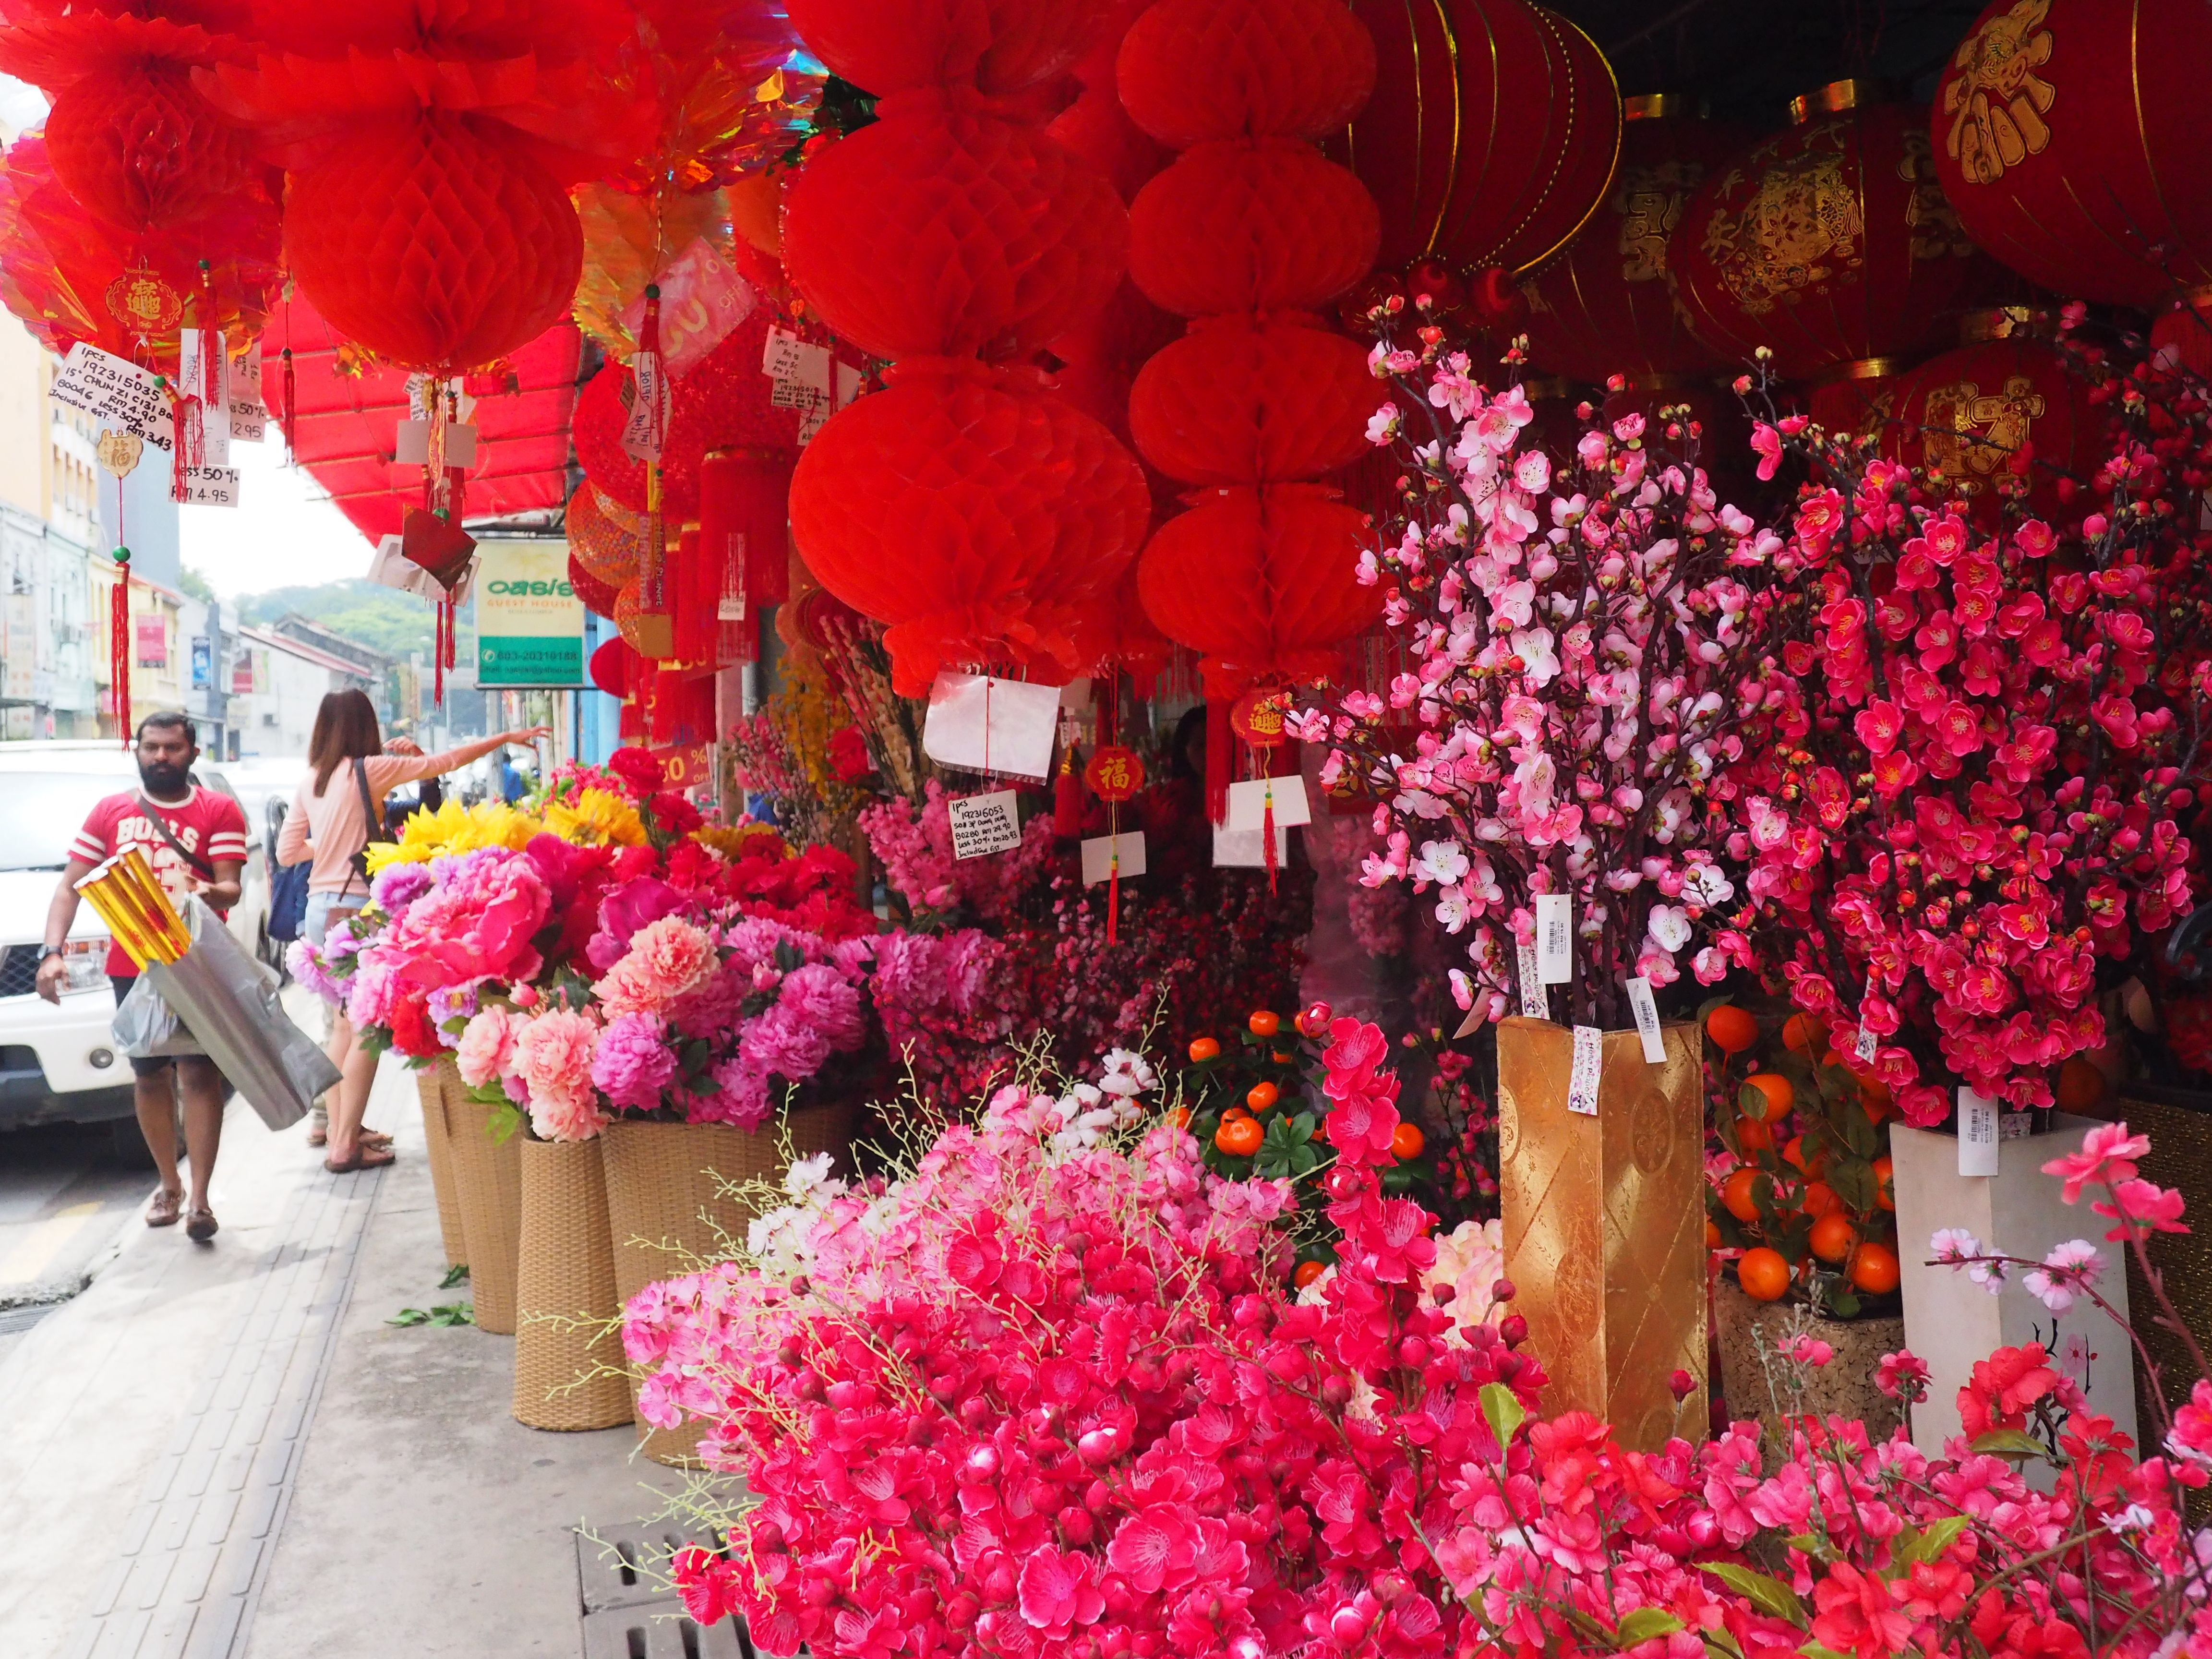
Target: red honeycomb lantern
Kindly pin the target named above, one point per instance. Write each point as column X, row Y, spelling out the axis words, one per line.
column 976, row 518
column 2071, row 139
column 434, row 246
column 1492, row 134
column 1251, row 225
column 1190, row 71
column 895, row 45
column 1263, row 582
column 939, row 231
column 1239, row 400
column 141, row 148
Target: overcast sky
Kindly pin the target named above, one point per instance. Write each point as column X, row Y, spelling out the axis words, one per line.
column 286, row 532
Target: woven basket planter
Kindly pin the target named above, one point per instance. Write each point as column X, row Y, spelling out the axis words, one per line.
column 667, row 1212
column 1843, row 1386
column 431, row 1083
column 487, row 1182
column 567, row 1353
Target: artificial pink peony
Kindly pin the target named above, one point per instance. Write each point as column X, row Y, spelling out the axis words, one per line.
column 667, row 958
column 486, row 1048
column 633, row 1065
column 553, row 1057
column 477, row 923
column 375, row 991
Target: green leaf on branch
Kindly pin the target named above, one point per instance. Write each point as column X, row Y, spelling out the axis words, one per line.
column 1503, row 1410
column 1912, row 1546
column 1769, row 1594
column 1643, row 1624
column 506, row 1118
column 2007, row 1442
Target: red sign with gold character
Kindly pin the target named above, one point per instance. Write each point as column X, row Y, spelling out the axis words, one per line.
column 1115, row 774
column 1258, row 718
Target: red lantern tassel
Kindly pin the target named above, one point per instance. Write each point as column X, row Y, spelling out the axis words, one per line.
column 1114, row 890
column 119, row 644
column 1218, row 740
column 694, row 592
column 745, row 514
column 1267, row 839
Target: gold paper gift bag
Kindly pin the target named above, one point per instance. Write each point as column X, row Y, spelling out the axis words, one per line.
column 1605, row 1225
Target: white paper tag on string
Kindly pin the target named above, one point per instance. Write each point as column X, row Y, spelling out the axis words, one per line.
column 115, row 393
column 848, row 383
column 980, row 724
column 1099, row 852
column 983, row 824
column 210, row 486
column 1249, row 801
column 249, row 415
column 1535, row 1001
column 215, row 412
column 816, row 417
column 650, row 389
column 410, row 445
column 1247, row 849
column 1867, row 1043
column 1555, row 938
column 1977, row 1134
column 1589, row 1067
column 786, row 358
column 1645, row 1008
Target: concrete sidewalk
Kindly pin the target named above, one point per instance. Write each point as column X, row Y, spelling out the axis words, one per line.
column 224, row 1450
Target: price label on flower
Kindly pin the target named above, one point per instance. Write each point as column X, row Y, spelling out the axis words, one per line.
column 1645, row 1007
column 1977, row 1134
column 1535, row 1001
column 983, row 824
column 1555, row 938
column 1588, row 1069
column 1115, row 774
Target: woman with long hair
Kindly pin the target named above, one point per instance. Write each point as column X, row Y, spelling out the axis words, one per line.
column 337, row 811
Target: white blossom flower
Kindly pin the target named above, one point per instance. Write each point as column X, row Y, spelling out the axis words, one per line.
column 1443, row 862
column 1669, row 928
column 2070, row 1269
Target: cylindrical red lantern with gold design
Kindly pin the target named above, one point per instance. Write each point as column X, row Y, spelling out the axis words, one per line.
column 1604, row 306
column 1491, row 136
column 1831, row 243
column 2070, row 136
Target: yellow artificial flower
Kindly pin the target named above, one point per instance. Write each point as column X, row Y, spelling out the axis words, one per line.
column 453, row 828
column 736, row 841
column 596, row 818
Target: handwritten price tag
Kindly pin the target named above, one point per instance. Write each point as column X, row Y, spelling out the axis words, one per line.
column 1535, row 1001
column 1645, row 1007
column 1589, row 1067
column 115, row 393
column 210, row 486
column 1977, row 1134
column 193, row 363
column 983, row 824
column 249, row 415
column 1555, row 938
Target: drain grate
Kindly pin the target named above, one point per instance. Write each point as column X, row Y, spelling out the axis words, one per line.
column 658, row 1629
column 628, row 1566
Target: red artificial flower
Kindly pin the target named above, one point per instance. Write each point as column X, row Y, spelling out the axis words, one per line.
column 849, row 754
column 2004, row 1387
column 640, row 769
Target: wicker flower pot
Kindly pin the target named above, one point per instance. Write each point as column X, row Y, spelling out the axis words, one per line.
column 1845, row 1386
column 668, row 1213
column 487, row 1182
column 567, row 1353
column 431, row 1083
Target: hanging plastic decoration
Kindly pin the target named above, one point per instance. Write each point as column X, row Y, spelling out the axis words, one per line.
column 733, row 87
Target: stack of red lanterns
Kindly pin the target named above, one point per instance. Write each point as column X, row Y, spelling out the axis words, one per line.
column 975, row 515
column 1247, row 234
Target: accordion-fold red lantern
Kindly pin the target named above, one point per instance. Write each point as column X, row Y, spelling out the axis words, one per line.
column 1240, row 400
column 434, row 245
column 894, row 46
column 1831, row 243
column 1492, row 134
column 938, row 230
column 1191, row 70
column 977, row 519
column 1603, row 307
column 1262, row 582
column 1251, row 225
column 1969, row 413
column 2071, row 139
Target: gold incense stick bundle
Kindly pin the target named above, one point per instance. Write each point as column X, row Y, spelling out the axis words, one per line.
column 130, row 900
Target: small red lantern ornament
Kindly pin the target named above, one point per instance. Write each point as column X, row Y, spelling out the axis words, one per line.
column 1491, row 136
column 1115, row 774
column 2071, row 139
column 1258, row 718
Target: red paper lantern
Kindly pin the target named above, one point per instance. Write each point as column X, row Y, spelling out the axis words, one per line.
column 1831, row 243
column 1302, row 67
column 597, row 596
column 1263, row 582
column 894, row 46
column 976, row 518
column 1603, row 307
column 1492, row 134
column 1971, row 412
column 138, row 147
column 436, row 246
column 1239, row 400
column 2071, row 139
column 1251, row 225
column 1116, row 633
column 941, row 231
column 610, row 668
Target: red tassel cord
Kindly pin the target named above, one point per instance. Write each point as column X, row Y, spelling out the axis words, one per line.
column 1113, row 877
column 1219, row 741
column 120, row 645
column 1268, row 836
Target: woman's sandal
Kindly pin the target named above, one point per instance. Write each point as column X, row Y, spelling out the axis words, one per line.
column 373, row 1137
column 365, row 1157
column 165, row 1209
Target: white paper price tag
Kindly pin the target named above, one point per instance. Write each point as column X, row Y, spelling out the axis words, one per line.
column 1645, row 1008
column 1977, row 1134
column 1249, row 802
column 1589, row 1067
column 1100, row 852
column 210, row 486
column 1247, row 849
column 1535, row 1001
column 816, row 417
column 192, row 364
column 1868, row 1043
column 249, row 415
column 115, row 393
column 983, row 824
column 651, row 403
column 784, row 356
column 979, row 724
column 1555, row 938
column 410, row 445
column 848, row 383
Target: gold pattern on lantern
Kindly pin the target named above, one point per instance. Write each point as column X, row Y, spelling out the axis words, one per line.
column 1970, row 434
column 1802, row 228
column 1996, row 105
column 1649, row 201
column 1937, row 232
column 141, row 301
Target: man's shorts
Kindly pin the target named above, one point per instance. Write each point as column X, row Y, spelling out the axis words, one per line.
column 155, row 1065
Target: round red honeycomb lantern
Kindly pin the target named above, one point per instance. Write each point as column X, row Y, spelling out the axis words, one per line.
column 940, row 231
column 1238, row 400
column 2071, row 139
column 1251, row 225
column 1831, row 243
column 138, row 147
column 976, row 518
column 1492, row 134
column 894, row 46
column 1262, row 582
column 433, row 247
column 1190, row 71
column 1603, row 306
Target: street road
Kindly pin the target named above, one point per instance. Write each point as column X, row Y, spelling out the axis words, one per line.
column 65, row 1193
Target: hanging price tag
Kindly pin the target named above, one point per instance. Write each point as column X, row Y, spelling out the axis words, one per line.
column 1555, row 938
column 1977, row 1134
column 249, row 415
column 1868, row 1043
column 1099, row 853
column 651, row 399
column 848, row 383
column 410, row 445
column 702, row 298
column 1247, row 849
column 1645, row 1008
column 979, row 724
column 1535, row 1001
column 1249, row 802
column 983, row 824
column 210, row 486
column 1589, row 1067
column 115, row 393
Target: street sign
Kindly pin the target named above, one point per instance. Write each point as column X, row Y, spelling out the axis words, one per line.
column 530, row 624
